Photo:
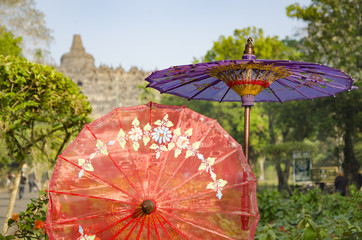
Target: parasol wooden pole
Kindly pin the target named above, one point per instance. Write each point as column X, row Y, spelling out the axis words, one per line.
column 247, row 99
column 246, row 131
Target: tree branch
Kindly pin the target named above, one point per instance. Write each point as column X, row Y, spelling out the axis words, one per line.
column 65, row 140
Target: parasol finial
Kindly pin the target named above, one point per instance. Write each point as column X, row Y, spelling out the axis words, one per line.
column 249, row 53
column 249, row 47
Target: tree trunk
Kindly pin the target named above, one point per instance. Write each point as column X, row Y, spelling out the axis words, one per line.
column 261, row 166
column 271, row 127
column 13, row 197
column 288, row 165
column 350, row 164
column 283, row 177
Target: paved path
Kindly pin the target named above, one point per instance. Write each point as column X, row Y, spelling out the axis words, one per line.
column 20, row 205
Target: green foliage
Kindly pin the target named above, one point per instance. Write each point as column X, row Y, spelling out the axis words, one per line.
column 335, row 39
column 266, row 47
column 147, row 94
column 309, row 216
column 285, row 150
column 36, row 102
column 334, row 32
column 38, row 106
column 296, row 120
column 9, row 45
column 29, row 224
column 6, row 237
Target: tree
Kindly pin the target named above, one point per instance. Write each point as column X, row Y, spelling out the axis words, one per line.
column 282, row 153
column 147, row 94
column 290, row 124
column 36, row 104
column 266, row 47
column 9, row 45
column 335, row 39
column 334, row 33
column 23, row 19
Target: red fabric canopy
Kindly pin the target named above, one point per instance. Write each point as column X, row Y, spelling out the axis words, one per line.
column 152, row 172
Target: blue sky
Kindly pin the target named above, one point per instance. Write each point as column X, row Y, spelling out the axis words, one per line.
column 160, row 33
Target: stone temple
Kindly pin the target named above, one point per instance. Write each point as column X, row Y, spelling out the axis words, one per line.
column 99, row 84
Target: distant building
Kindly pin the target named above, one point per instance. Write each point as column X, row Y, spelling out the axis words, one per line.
column 99, row 84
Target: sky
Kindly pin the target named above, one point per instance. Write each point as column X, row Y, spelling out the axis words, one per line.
column 157, row 34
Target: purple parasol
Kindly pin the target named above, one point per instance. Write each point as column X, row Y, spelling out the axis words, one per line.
column 250, row 80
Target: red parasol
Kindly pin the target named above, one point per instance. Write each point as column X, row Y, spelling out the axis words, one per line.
column 152, row 172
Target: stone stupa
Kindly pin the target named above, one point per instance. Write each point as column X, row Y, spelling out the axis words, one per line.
column 100, row 83
column 77, row 59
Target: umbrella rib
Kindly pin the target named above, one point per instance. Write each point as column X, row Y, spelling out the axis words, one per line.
column 92, row 217
column 149, row 154
column 212, row 84
column 130, row 183
column 183, row 161
column 148, row 227
column 122, row 229
column 220, row 159
column 141, row 228
column 161, row 171
column 108, row 183
column 343, row 75
column 154, row 224
column 275, row 94
column 170, row 178
column 304, row 84
column 205, row 193
column 88, row 196
column 227, row 91
column 208, row 130
column 163, row 227
column 301, row 93
column 114, row 224
column 134, row 226
column 296, row 80
column 169, row 223
column 239, row 213
column 186, row 83
column 196, row 225
column 129, row 153
column 173, row 78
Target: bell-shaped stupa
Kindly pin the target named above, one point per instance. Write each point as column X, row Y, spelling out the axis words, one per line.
column 77, row 59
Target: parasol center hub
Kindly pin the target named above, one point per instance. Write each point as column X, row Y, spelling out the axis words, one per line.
column 248, row 100
column 148, row 206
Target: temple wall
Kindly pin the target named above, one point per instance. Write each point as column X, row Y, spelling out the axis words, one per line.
column 99, row 84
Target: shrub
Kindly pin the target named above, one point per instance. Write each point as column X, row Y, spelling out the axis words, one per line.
column 309, row 216
column 29, row 224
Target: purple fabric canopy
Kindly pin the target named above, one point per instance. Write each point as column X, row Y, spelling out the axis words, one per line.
column 250, row 80
column 303, row 81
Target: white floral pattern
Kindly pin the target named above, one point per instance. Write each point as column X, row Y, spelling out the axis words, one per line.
column 182, row 142
column 86, row 164
column 84, row 236
column 161, row 135
column 135, row 134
